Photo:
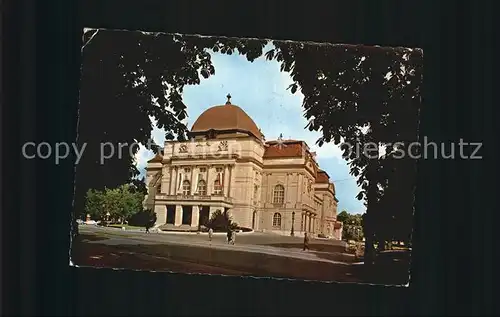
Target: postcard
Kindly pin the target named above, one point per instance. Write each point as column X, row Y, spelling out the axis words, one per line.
column 248, row 157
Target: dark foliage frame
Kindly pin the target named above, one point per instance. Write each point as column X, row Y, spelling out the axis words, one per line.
column 41, row 94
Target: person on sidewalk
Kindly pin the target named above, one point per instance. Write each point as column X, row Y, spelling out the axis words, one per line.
column 233, row 237
column 229, row 235
column 210, row 234
column 306, row 242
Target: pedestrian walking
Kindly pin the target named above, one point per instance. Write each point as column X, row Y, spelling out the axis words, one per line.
column 210, row 234
column 306, row 242
column 233, row 237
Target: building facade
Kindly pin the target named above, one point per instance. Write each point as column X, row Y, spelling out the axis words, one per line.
column 271, row 186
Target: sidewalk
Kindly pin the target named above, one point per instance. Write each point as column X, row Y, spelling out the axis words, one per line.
column 262, row 249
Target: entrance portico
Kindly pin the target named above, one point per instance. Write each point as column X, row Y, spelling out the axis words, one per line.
column 188, row 212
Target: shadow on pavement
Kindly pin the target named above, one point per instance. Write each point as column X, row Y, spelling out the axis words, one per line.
column 320, row 247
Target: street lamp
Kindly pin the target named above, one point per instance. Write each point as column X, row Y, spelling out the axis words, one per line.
column 292, row 233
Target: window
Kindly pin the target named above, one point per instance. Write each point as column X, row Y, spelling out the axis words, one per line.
column 217, row 187
column 158, row 189
column 203, row 170
column 218, row 169
column 277, row 220
column 186, row 188
column 255, row 192
column 187, row 170
column 202, row 188
column 279, row 194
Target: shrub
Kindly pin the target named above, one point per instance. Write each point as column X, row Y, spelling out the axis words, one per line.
column 143, row 218
column 220, row 222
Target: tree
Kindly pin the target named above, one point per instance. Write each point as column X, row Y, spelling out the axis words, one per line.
column 121, row 203
column 347, row 88
column 352, row 226
column 127, row 78
column 343, row 216
column 130, row 201
column 94, row 204
column 220, row 222
column 144, row 218
column 139, row 185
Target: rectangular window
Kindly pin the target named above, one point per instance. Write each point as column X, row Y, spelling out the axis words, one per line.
column 203, row 170
column 218, row 169
column 187, row 170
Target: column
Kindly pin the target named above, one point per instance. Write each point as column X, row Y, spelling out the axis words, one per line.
column 161, row 215
column 178, row 215
column 299, row 187
column 193, row 180
column 164, row 180
column 287, row 191
column 308, row 223
column 226, row 181
column 210, row 181
column 267, row 188
column 173, row 181
column 231, row 181
column 195, row 217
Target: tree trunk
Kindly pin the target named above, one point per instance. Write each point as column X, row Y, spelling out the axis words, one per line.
column 381, row 244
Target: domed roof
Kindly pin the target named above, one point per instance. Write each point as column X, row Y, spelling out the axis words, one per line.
column 226, row 117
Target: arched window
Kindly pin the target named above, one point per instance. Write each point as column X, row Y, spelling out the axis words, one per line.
column 186, row 188
column 202, row 188
column 277, row 220
column 279, row 194
column 217, row 187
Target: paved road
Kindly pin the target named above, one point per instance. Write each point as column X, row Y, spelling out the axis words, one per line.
column 249, row 242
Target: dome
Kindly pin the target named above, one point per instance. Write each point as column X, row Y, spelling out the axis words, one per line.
column 226, row 117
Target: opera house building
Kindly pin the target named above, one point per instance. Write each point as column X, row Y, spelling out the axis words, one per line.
column 227, row 165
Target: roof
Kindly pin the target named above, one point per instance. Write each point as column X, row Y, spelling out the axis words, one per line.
column 226, row 117
column 158, row 158
column 289, row 148
column 322, row 177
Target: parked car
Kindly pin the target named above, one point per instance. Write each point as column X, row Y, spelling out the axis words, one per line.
column 80, row 221
column 91, row 222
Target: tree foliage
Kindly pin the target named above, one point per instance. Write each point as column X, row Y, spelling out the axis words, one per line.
column 121, row 203
column 220, row 222
column 348, row 88
column 129, row 78
column 144, row 218
column 352, row 226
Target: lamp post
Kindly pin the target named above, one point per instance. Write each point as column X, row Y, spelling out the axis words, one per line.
column 292, row 233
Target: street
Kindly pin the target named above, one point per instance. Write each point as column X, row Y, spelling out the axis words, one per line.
column 254, row 254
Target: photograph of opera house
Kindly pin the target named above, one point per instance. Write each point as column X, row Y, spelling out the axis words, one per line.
column 239, row 156
column 227, row 165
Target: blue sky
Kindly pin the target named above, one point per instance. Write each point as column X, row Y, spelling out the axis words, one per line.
column 259, row 88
